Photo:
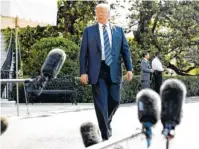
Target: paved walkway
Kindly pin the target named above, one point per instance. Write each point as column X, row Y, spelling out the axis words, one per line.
column 43, row 108
column 50, row 108
column 56, row 126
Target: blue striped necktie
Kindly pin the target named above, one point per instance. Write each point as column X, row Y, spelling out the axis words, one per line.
column 107, row 47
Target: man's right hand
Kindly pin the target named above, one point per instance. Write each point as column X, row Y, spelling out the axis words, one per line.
column 84, row 79
column 152, row 70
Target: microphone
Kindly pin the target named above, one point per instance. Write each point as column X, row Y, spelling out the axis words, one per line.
column 4, row 124
column 50, row 69
column 173, row 93
column 53, row 63
column 90, row 134
column 148, row 102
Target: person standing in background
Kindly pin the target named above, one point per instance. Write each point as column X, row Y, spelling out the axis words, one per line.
column 146, row 71
column 158, row 69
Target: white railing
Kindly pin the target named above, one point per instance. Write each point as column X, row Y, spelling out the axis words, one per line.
column 5, row 81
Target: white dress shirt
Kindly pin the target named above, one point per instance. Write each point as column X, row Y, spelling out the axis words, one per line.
column 102, row 37
column 157, row 65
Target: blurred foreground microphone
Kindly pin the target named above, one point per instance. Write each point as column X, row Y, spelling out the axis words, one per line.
column 173, row 93
column 149, row 106
column 51, row 67
column 90, row 134
column 53, row 63
column 4, row 124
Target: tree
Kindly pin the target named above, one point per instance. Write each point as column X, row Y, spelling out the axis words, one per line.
column 74, row 16
column 170, row 27
column 29, row 36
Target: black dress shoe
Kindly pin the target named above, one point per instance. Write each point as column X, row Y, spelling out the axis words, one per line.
column 105, row 138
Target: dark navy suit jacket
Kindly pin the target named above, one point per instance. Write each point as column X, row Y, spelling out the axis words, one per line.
column 90, row 54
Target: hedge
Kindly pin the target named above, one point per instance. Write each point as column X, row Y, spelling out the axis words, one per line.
column 129, row 89
column 40, row 50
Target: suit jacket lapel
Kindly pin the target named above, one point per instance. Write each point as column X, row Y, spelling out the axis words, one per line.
column 97, row 36
column 113, row 32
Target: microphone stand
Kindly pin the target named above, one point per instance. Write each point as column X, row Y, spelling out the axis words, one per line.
column 168, row 132
column 146, row 129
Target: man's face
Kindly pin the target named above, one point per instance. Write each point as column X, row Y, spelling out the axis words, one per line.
column 147, row 56
column 102, row 14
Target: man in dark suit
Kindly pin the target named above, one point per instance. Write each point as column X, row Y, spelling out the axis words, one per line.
column 103, row 45
column 146, row 71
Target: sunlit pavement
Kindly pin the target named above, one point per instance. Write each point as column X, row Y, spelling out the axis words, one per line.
column 58, row 127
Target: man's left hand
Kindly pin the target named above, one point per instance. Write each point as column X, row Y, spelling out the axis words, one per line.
column 129, row 75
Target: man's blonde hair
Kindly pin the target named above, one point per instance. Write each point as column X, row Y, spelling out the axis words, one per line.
column 103, row 5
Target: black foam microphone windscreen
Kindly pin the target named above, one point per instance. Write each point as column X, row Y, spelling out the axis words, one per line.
column 53, row 63
column 4, row 124
column 173, row 93
column 49, row 70
column 149, row 106
column 90, row 134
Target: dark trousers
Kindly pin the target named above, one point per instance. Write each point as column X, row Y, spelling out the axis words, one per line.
column 106, row 100
column 145, row 84
column 157, row 80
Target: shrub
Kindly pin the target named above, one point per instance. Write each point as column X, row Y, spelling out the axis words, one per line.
column 192, row 84
column 40, row 49
column 128, row 90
